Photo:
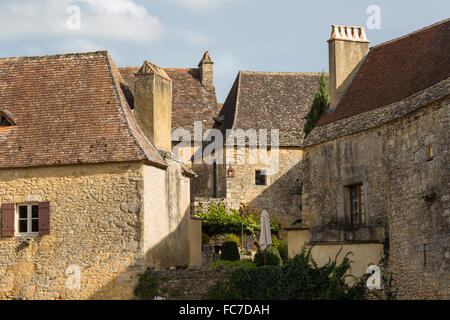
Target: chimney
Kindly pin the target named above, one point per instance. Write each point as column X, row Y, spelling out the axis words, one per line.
column 153, row 105
column 206, row 71
column 347, row 48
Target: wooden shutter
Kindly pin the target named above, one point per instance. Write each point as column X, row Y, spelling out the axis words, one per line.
column 44, row 218
column 8, row 220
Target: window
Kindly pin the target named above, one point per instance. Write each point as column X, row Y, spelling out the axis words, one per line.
column 25, row 219
column 260, row 178
column 28, row 219
column 430, row 152
column 356, row 204
column 5, row 120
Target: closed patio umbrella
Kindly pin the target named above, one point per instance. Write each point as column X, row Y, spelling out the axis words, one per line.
column 265, row 238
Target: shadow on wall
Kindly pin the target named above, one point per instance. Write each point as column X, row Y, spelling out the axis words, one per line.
column 282, row 198
column 172, row 251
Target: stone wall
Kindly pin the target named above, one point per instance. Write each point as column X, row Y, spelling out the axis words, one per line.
column 328, row 169
column 108, row 223
column 190, row 284
column 281, row 194
column 419, row 202
column 402, row 188
column 95, row 213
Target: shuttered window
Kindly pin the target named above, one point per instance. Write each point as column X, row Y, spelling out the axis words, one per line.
column 25, row 219
column 7, row 219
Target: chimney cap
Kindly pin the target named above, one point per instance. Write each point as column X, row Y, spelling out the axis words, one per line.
column 206, row 59
column 348, row 33
column 149, row 68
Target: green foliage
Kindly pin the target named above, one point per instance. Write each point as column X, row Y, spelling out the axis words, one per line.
column 282, row 247
column 230, row 251
column 299, row 279
column 218, row 221
column 232, row 238
column 233, row 264
column 205, row 238
column 147, row 287
column 272, row 257
column 320, row 103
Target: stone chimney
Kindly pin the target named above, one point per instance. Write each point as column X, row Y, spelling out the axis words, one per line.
column 347, row 48
column 153, row 105
column 206, row 71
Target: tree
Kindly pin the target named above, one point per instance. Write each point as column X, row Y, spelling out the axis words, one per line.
column 320, row 103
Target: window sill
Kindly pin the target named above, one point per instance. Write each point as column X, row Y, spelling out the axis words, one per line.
column 22, row 235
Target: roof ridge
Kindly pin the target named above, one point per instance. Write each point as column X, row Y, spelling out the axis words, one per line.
column 238, row 89
column 280, row 73
column 58, row 56
column 111, row 66
column 411, row 33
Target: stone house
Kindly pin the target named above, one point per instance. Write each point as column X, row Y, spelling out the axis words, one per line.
column 90, row 193
column 260, row 104
column 376, row 166
column 194, row 101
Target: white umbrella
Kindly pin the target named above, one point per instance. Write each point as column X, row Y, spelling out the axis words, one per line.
column 265, row 238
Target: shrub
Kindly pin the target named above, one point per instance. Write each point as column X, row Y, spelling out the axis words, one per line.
column 233, row 264
column 147, row 287
column 272, row 257
column 205, row 238
column 232, row 238
column 230, row 251
column 299, row 279
column 282, row 248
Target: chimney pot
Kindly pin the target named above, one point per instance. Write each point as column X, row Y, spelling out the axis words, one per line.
column 348, row 46
column 206, row 71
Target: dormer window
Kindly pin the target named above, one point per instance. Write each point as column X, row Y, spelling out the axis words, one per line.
column 5, row 121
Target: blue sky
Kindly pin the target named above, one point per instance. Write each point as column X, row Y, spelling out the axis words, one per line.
column 260, row 35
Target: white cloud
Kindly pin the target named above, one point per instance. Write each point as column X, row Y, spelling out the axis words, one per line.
column 100, row 20
column 201, row 5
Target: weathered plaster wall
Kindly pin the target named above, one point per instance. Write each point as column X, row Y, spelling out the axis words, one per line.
column 362, row 254
column 280, row 197
column 95, row 213
column 166, row 219
column 195, row 242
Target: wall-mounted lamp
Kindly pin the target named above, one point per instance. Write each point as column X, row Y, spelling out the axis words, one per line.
column 231, row 172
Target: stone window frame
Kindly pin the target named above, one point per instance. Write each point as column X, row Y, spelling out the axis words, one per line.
column 345, row 203
column 29, row 206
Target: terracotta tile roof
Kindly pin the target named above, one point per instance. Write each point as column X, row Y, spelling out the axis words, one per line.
column 271, row 100
column 68, row 109
column 191, row 101
column 395, row 70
